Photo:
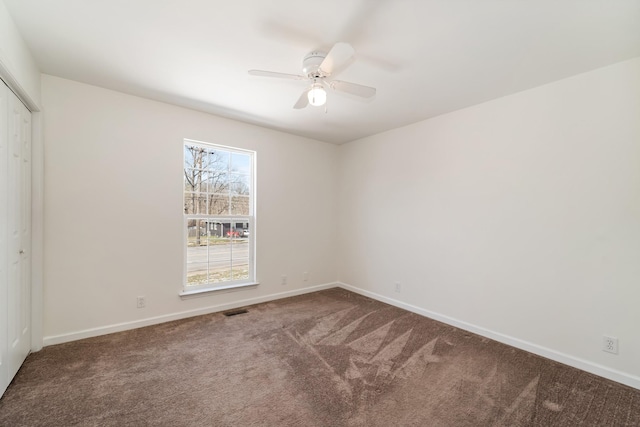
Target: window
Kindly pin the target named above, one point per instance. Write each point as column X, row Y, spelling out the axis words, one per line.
column 219, row 217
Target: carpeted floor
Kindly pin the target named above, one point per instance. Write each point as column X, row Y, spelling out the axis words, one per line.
column 331, row 358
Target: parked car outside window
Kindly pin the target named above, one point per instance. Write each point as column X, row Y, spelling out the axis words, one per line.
column 234, row 233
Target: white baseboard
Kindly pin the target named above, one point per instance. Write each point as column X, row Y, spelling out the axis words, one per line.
column 119, row 327
column 585, row 365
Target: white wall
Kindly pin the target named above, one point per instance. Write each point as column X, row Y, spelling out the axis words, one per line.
column 16, row 62
column 113, row 209
column 518, row 218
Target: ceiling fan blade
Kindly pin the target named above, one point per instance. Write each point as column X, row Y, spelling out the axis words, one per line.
column 303, row 101
column 353, row 89
column 338, row 58
column 262, row 73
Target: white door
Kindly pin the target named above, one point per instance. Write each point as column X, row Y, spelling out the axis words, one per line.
column 18, row 233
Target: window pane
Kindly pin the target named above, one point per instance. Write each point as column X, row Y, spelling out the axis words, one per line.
column 215, row 231
column 220, row 260
column 240, row 269
column 218, row 204
column 194, row 157
column 239, row 184
column 197, row 252
column 218, row 160
column 197, row 233
column 218, row 182
column 195, row 203
column 240, row 163
column 197, row 274
column 221, row 274
column 240, row 253
column 188, row 156
column 193, row 178
column 189, row 203
column 239, row 205
column 191, row 232
column 202, row 181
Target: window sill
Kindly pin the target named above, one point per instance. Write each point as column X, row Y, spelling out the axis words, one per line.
column 201, row 291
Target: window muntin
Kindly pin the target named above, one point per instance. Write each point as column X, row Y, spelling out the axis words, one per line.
column 219, row 216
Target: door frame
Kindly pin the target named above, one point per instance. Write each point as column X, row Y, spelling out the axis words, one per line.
column 37, row 203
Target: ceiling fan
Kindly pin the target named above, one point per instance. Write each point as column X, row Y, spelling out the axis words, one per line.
column 318, row 67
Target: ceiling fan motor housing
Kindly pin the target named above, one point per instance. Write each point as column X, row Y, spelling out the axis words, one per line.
column 311, row 64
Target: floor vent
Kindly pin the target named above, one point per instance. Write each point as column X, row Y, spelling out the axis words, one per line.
column 235, row 312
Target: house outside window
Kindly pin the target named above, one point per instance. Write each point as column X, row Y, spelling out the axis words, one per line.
column 219, row 217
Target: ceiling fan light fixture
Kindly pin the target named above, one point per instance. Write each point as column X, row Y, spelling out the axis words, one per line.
column 317, row 95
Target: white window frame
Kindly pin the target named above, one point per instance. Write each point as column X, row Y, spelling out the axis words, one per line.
column 249, row 219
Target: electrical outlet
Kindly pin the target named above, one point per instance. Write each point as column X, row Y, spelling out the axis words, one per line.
column 141, row 303
column 305, row 276
column 610, row 344
column 397, row 287
column 283, row 280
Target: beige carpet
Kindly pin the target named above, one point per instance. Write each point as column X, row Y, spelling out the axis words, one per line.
column 331, row 358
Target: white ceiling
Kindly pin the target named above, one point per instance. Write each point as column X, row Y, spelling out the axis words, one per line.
column 425, row 57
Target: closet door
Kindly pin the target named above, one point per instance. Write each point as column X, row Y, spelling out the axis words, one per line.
column 18, row 234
